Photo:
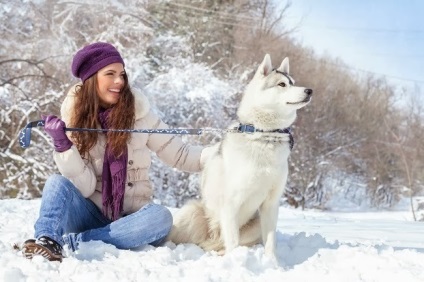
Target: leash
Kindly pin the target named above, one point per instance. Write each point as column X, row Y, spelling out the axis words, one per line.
column 25, row 133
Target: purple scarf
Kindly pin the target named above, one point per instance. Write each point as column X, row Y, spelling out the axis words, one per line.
column 113, row 177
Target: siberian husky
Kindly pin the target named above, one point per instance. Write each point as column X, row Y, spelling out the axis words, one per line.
column 245, row 174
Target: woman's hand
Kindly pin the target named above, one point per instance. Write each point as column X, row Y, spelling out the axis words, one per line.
column 207, row 153
column 55, row 127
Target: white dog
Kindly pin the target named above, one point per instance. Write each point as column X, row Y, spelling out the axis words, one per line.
column 245, row 175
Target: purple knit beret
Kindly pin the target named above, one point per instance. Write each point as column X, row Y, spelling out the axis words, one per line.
column 94, row 57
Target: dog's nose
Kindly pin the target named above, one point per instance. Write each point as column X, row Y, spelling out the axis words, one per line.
column 308, row 91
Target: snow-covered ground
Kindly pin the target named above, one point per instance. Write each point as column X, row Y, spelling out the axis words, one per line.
column 312, row 246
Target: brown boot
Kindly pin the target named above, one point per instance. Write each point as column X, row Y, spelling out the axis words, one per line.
column 43, row 246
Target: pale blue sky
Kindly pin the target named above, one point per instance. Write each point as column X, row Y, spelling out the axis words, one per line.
column 385, row 37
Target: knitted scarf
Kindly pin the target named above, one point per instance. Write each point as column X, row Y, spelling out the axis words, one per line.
column 113, row 177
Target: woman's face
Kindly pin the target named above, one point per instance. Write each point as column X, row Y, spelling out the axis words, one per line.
column 110, row 82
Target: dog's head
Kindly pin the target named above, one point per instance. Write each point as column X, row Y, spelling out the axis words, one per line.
column 271, row 98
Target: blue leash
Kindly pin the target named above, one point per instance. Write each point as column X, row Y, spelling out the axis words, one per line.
column 25, row 133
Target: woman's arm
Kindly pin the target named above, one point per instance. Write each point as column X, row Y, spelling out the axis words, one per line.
column 171, row 149
column 70, row 163
column 78, row 171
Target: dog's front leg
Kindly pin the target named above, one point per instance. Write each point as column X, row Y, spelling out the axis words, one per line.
column 229, row 227
column 269, row 216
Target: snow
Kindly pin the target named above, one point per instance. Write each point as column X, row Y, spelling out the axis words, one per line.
column 312, row 246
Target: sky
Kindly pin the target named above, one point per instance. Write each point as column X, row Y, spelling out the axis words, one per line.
column 311, row 246
column 385, row 37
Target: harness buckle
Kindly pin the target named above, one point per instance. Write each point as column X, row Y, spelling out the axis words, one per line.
column 247, row 128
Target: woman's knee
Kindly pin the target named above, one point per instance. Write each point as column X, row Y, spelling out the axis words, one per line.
column 160, row 216
column 57, row 182
column 167, row 218
column 164, row 226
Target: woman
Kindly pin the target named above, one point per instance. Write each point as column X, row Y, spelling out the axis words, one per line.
column 104, row 192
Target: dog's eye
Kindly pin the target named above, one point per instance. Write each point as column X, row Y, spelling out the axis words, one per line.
column 282, row 84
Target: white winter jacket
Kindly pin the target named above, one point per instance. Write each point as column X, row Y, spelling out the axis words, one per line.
column 86, row 175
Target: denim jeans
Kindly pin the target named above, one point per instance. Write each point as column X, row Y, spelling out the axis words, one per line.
column 69, row 218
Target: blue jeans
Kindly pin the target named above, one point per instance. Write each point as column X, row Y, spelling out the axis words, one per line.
column 69, row 218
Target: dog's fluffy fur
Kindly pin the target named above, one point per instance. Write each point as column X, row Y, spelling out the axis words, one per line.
column 245, row 175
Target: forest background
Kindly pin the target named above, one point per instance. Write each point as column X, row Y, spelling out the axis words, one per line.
column 192, row 58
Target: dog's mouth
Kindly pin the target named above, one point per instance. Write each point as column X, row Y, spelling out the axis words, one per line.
column 306, row 100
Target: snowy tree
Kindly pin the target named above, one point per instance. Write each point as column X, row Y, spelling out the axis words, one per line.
column 187, row 95
column 192, row 59
column 35, row 74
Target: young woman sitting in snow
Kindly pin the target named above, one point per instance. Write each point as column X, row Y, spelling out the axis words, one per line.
column 104, row 192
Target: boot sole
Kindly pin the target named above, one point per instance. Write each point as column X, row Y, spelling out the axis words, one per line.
column 31, row 249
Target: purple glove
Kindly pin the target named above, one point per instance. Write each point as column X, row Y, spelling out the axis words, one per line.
column 55, row 127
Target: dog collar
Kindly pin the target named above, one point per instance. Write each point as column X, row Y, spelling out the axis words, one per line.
column 249, row 128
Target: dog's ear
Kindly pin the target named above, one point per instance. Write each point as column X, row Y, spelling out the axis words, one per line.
column 265, row 67
column 284, row 67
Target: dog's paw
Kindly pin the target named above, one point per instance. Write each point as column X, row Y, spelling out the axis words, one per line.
column 220, row 252
column 269, row 254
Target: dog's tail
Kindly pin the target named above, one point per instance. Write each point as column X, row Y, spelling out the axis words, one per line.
column 190, row 224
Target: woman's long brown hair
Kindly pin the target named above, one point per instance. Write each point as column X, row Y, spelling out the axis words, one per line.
column 85, row 115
